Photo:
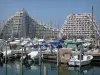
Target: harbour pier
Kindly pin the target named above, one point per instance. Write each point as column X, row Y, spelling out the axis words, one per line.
column 48, row 56
column 64, row 56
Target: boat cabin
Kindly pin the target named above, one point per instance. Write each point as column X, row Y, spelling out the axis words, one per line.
column 73, row 45
column 14, row 45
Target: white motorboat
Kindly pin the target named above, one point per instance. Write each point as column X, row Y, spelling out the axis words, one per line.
column 76, row 61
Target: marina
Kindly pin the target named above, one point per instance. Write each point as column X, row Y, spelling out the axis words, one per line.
column 54, row 51
column 32, row 47
column 39, row 58
column 48, row 51
column 45, row 57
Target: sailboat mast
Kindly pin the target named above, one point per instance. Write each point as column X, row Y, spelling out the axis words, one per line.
column 92, row 24
column 92, row 14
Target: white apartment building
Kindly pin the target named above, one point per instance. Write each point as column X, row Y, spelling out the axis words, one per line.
column 22, row 25
column 79, row 26
column 44, row 31
column 18, row 25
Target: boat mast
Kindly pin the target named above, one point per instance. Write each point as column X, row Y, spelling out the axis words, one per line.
column 92, row 24
column 12, row 32
column 92, row 15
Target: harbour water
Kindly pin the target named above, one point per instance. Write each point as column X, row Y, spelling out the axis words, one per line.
column 15, row 68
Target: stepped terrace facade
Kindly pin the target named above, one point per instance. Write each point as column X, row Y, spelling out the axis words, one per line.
column 22, row 25
column 79, row 26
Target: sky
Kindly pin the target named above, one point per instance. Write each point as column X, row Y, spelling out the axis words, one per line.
column 54, row 11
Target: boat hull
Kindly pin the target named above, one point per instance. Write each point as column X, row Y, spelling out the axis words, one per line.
column 78, row 62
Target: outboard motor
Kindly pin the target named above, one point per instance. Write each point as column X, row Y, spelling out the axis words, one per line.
column 27, row 59
column 1, row 57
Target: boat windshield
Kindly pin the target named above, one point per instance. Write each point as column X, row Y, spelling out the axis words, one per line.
column 73, row 46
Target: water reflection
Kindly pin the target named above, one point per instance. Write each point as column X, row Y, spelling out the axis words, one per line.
column 6, row 69
column 63, row 70
column 1, row 64
column 15, row 68
column 57, row 70
column 40, row 69
column 80, row 71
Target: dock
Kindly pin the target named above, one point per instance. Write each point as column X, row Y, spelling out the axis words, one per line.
column 64, row 55
column 49, row 57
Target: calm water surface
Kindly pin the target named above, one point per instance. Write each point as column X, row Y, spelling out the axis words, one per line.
column 15, row 68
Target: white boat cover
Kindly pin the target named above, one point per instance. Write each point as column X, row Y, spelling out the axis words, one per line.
column 33, row 54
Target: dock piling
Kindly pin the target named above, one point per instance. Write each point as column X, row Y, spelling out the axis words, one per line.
column 39, row 55
column 58, row 57
column 6, row 55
